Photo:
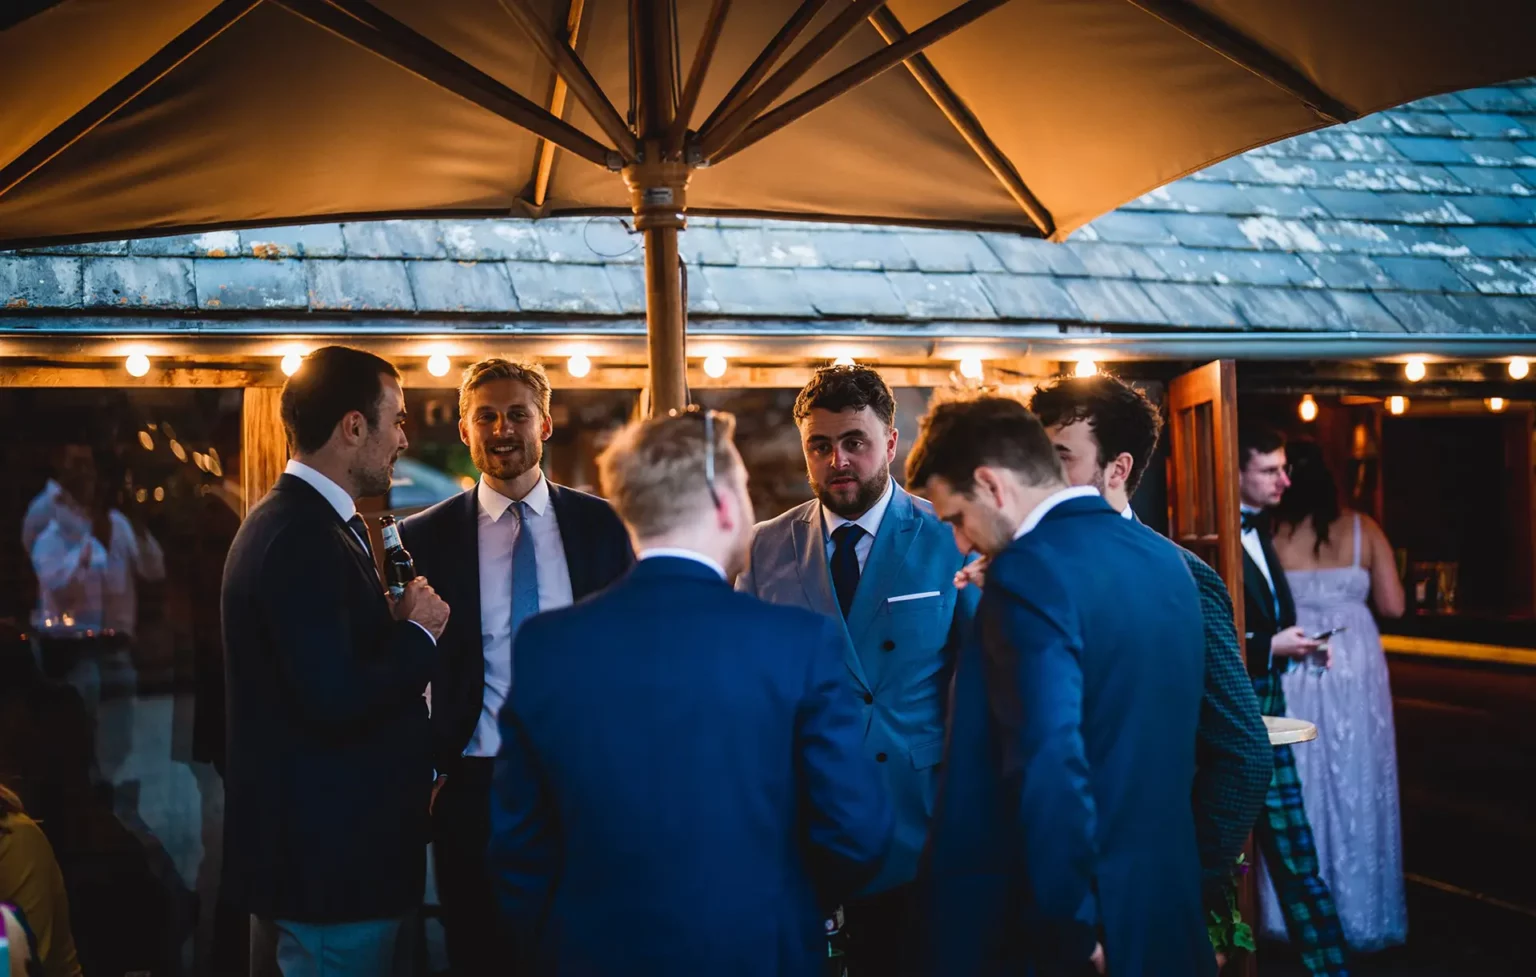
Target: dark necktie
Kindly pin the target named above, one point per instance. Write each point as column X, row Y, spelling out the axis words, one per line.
column 845, row 563
column 360, row 530
column 1252, row 520
column 525, row 569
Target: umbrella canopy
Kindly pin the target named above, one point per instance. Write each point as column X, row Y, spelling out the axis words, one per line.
column 1036, row 116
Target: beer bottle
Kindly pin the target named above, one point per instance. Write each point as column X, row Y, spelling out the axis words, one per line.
column 399, row 568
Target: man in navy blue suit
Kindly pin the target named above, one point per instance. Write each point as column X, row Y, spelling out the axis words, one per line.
column 682, row 786
column 512, row 546
column 1065, row 834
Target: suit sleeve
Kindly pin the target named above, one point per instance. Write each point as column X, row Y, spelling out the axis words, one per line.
column 332, row 681
column 1234, row 762
column 747, row 581
column 849, row 820
column 1036, row 691
column 523, row 856
column 962, row 628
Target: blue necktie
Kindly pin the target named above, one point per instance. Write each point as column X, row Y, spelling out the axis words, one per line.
column 845, row 563
column 525, row 571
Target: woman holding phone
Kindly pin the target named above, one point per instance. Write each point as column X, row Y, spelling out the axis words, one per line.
column 1339, row 565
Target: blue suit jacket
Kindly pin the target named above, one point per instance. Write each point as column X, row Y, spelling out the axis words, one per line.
column 681, row 788
column 899, row 655
column 1066, row 816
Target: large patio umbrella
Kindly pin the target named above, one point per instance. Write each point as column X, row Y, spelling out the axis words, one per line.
column 122, row 118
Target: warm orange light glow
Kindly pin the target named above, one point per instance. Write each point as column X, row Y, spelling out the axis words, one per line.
column 1086, row 368
column 1415, row 370
column 437, row 364
column 714, row 366
column 578, row 366
column 1519, row 368
column 137, row 364
column 1496, row 404
column 1397, row 405
column 971, row 367
column 1308, row 409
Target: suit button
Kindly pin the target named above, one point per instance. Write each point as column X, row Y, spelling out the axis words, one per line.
column 868, row 699
column 879, row 757
column 889, row 646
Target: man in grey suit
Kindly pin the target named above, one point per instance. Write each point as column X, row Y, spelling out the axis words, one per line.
column 867, row 554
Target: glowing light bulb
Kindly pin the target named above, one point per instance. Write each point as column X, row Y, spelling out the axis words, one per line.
column 1519, row 368
column 1414, row 370
column 844, row 360
column 291, row 363
column 1308, row 409
column 437, row 364
column 137, row 364
column 147, row 441
column 1086, row 368
column 1397, row 405
column 578, row 366
column 714, row 366
column 971, row 368
column 1496, row 404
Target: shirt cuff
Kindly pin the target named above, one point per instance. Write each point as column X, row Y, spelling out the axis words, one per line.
column 426, row 632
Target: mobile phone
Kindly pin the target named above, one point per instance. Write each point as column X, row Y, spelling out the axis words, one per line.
column 1325, row 635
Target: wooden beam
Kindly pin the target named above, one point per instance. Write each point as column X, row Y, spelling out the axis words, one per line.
column 792, row 29
column 263, row 443
column 108, row 103
column 701, row 58
column 855, row 75
column 965, row 123
column 115, row 377
column 575, row 74
column 715, row 138
column 1210, row 30
column 547, row 149
column 375, row 32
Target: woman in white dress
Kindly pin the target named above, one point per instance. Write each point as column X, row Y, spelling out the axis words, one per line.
column 1335, row 560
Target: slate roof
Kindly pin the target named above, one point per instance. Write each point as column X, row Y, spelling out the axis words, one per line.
column 1415, row 221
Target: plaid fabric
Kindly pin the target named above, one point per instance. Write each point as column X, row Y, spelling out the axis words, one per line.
column 1232, row 750
column 1284, row 837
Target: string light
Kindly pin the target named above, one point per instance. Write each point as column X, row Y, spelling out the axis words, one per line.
column 1308, row 409
column 578, row 366
column 137, row 364
column 971, row 367
column 437, row 364
column 714, row 366
column 1496, row 404
column 1415, row 369
column 291, row 362
column 844, row 360
column 1519, row 368
column 1397, row 405
column 1085, row 368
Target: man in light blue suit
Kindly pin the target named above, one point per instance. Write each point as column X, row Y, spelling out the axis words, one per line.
column 874, row 558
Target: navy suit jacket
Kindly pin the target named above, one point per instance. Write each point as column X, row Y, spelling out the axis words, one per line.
column 1065, row 817
column 329, row 756
column 681, row 787
column 444, row 541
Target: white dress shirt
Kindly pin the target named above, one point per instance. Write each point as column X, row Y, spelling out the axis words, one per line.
column 869, row 522
column 498, row 534
column 1255, row 549
column 1052, row 501
column 84, row 585
column 682, row 554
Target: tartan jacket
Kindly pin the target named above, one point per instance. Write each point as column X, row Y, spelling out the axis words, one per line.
column 1234, row 761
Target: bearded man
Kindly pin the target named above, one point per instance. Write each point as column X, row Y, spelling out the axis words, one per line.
column 877, row 561
column 510, row 547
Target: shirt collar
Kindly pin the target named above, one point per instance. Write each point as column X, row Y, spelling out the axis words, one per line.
column 495, row 505
column 1249, row 510
column 681, row 554
column 1052, row 501
column 337, row 496
column 1126, row 513
column 869, row 521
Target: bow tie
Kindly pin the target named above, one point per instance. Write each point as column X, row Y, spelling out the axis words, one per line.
column 1252, row 520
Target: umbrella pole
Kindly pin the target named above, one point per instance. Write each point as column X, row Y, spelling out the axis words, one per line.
column 664, row 320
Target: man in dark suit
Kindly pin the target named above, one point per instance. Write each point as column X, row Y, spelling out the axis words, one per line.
column 1082, row 852
column 512, row 546
column 1105, row 432
column 1273, row 642
column 329, row 766
column 682, row 786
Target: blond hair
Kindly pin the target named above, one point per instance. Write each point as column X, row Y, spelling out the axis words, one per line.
column 653, row 471
column 526, row 372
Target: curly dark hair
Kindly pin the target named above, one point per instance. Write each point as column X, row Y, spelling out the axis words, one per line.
column 959, row 435
column 839, row 388
column 1123, row 419
column 1313, row 491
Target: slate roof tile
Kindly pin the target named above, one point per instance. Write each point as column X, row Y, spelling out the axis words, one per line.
column 546, row 286
column 838, row 292
column 393, row 239
column 491, row 241
column 1114, row 301
column 1497, row 180
column 251, row 283
column 1420, row 274
column 589, row 241
column 1348, row 271
column 1030, row 256
column 211, row 244
column 1195, row 306
column 1032, row 297
column 1119, row 227
column 961, row 251
column 863, row 250
column 294, row 241
column 757, row 291
column 941, row 296
column 1363, row 312
column 1116, row 260
column 1287, row 308
column 359, row 285
column 464, row 286
column 1430, row 150
column 1503, row 276
column 1498, row 242
column 705, row 246
column 759, row 248
column 1495, row 99
column 40, row 281
column 146, row 283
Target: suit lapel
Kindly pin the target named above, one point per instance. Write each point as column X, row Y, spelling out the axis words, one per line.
column 466, row 547
column 1262, row 599
column 898, row 531
column 816, row 578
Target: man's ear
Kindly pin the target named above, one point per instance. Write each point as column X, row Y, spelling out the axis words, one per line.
column 1120, row 468
column 989, row 482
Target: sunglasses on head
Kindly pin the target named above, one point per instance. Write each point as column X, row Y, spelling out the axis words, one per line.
column 709, row 444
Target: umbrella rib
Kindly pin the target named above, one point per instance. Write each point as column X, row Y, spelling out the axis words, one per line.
column 110, row 102
column 701, row 58
column 765, row 61
column 379, row 34
column 546, row 165
column 1247, row 53
column 716, row 137
column 577, row 77
column 966, row 124
column 855, row 75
